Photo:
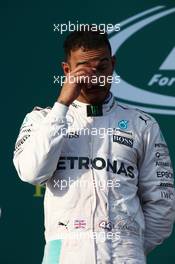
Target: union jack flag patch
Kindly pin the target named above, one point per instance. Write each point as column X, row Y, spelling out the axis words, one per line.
column 80, row 223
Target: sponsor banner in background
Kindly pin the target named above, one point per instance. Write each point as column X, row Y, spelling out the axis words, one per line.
column 156, row 90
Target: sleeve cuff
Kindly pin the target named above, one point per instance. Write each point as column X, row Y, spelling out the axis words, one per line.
column 57, row 114
column 59, row 110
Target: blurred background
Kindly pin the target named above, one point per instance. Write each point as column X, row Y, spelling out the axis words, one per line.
column 31, row 55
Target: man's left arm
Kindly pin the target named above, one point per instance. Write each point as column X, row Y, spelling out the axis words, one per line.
column 156, row 188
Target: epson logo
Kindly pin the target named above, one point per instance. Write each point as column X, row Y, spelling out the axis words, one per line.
column 165, row 174
column 123, row 140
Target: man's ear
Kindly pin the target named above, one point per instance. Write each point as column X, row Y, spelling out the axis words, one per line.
column 113, row 60
column 66, row 67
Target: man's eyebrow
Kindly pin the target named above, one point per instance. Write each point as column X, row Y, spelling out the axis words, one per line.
column 87, row 61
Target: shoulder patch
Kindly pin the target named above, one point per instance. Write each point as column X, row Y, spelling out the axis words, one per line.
column 146, row 118
column 123, row 106
column 144, row 114
column 38, row 108
column 43, row 111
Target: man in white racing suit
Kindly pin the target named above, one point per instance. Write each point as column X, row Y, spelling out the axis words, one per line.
column 109, row 181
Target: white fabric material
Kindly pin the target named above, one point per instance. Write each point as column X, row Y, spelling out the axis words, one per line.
column 82, row 174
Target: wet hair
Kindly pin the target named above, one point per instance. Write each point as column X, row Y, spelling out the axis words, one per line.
column 87, row 39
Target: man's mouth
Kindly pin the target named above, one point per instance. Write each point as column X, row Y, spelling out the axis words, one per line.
column 95, row 88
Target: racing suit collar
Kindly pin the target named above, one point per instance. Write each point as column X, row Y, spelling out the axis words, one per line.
column 95, row 110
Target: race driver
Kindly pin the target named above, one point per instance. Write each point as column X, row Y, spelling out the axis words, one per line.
column 109, row 197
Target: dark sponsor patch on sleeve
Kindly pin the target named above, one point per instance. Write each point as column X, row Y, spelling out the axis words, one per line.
column 21, row 142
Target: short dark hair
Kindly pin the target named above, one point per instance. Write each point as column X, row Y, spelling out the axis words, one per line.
column 87, row 39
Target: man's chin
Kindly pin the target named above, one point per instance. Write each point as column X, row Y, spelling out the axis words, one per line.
column 95, row 91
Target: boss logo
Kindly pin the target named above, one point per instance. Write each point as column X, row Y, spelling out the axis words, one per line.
column 123, row 140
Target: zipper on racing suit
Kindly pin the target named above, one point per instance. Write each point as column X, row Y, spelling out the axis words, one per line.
column 91, row 141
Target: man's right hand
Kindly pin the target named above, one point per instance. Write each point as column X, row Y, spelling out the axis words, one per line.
column 74, row 82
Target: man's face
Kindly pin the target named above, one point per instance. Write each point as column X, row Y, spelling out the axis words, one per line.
column 102, row 65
